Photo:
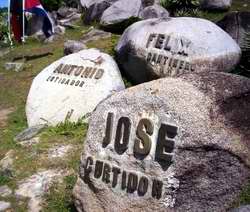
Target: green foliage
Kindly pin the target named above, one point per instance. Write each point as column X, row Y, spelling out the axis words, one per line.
column 179, row 4
column 60, row 196
column 4, row 38
column 69, row 129
column 51, row 5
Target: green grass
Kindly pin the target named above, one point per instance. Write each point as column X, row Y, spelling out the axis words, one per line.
column 59, row 199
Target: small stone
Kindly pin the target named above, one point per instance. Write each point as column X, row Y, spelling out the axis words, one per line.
column 154, row 11
column 36, row 186
column 4, row 113
column 59, row 151
column 4, row 206
column 29, row 133
column 7, row 162
column 14, row 66
column 5, row 191
column 72, row 46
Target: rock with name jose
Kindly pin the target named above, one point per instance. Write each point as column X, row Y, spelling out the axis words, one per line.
column 158, row 48
column 71, row 87
column 175, row 144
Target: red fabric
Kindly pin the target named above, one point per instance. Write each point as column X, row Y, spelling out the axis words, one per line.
column 31, row 3
column 16, row 27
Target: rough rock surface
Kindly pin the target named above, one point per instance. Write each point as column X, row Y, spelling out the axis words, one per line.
column 4, row 113
column 4, row 206
column 36, row 186
column 5, row 191
column 29, row 133
column 71, row 87
column 245, row 208
column 96, row 9
column 14, row 66
column 236, row 24
column 158, row 48
column 216, row 4
column 121, row 11
column 59, row 151
column 154, row 11
column 7, row 162
column 95, row 34
column 72, row 46
column 188, row 136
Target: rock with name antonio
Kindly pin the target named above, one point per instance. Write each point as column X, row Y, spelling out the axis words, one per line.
column 174, row 144
column 158, row 48
column 71, row 87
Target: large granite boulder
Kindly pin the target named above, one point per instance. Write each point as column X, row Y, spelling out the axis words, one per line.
column 72, row 87
column 154, row 11
column 216, row 4
column 158, row 48
column 95, row 10
column 174, row 144
column 120, row 12
column 87, row 3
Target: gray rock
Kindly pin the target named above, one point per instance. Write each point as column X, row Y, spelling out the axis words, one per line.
column 59, row 151
column 37, row 185
column 121, row 11
column 95, row 34
column 72, row 46
column 59, row 30
column 4, row 206
column 64, row 12
column 185, row 146
column 70, row 19
column 14, row 66
column 7, row 162
column 158, row 48
column 245, row 208
column 30, row 142
column 154, row 11
column 216, row 4
column 5, row 191
column 237, row 25
column 147, row 3
column 87, row 3
column 72, row 87
column 29, row 133
column 96, row 9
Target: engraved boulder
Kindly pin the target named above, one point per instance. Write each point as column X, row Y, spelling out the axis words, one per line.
column 71, row 87
column 174, row 144
column 157, row 48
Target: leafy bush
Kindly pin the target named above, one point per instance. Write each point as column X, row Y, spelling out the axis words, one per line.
column 51, row 5
column 179, row 4
column 4, row 39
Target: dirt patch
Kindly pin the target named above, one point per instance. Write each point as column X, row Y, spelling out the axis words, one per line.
column 4, row 116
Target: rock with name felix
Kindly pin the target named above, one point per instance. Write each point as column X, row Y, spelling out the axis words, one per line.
column 158, row 48
column 72, row 87
column 174, row 144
